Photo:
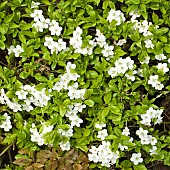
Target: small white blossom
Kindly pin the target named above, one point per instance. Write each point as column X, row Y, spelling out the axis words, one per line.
column 160, row 57
column 102, row 134
column 163, row 67
column 149, row 44
column 126, row 131
column 34, row 4
column 136, row 158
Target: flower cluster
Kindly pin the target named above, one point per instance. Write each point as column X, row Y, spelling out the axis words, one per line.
column 101, row 41
column 116, row 15
column 38, row 136
column 102, row 134
column 72, row 114
column 152, row 114
column 121, row 66
column 143, row 27
column 75, row 121
column 153, row 81
column 73, row 91
column 16, row 50
column 41, row 23
column 77, row 42
column 103, row 154
column 6, row 124
column 55, row 46
column 145, row 138
column 29, row 96
column 66, row 133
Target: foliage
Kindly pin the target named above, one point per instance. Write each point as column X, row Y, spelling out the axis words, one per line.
column 90, row 78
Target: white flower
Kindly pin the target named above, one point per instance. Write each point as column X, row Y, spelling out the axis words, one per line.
column 100, row 125
column 101, row 39
column 102, row 134
column 46, row 128
column 145, row 140
column 58, row 86
column 55, row 28
column 163, row 67
column 17, row 50
column 126, row 131
column 159, row 120
column 169, row 60
column 146, row 119
column 113, row 72
column 153, row 80
column 160, row 57
column 141, row 133
column 79, row 107
column 121, row 42
column 77, row 32
column 34, row 4
column 108, row 51
column 149, row 44
column 136, row 158
column 151, row 112
column 21, row 94
column 122, row 147
column 27, row 108
column 146, row 60
column 61, row 45
column 6, row 124
column 37, row 15
column 11, row 49
column 45, row 22
column 93, row 157
column 153, row 150
column 159, row 86
column 65, row 146
column 75, row 120
column 153, row 140
column 130, row 77
column 116, row 15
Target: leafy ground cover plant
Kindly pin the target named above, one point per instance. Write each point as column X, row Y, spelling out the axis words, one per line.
column 84, row 84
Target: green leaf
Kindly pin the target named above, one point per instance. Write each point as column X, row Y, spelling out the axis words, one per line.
column 107, row 97
column 136, row 84
column 139, row 167
column 134, row 1
column 46, row 2
column 115, row 110
column 126, row 164
column 104, row 112
column 22, row 37
column 119, row 52
column 40, row 78
column 2, row 45
column 62, row 111
column 3, row 4
column 89, row 103
column 23, row 75
column 167, row 48
column 155, row 18
column 97, row 2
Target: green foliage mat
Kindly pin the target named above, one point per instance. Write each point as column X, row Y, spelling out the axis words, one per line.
column 84, row 84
